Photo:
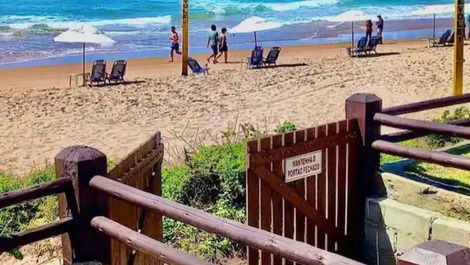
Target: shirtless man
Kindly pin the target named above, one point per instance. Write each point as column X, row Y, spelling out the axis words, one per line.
column 175, row 46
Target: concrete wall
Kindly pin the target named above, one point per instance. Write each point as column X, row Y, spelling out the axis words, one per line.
column 411, row 214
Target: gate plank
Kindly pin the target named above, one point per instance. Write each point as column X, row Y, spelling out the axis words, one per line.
column 331, row 183
column 276, row 197
column 321, row 189
column 265, row 200
column 300, row 189
column 341, row 210
column 252, row 201
column 288, row 208
column 311, row 196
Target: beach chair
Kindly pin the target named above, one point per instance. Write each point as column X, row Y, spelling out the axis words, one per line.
column 256, row 59
column 372, row 45
column 444, row 39
column 450, row 40
column 118, row 72
column 196, row 68
column 360, row 49
column 98, row 73
column 272, row 56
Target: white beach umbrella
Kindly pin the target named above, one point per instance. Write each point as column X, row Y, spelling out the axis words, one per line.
column 254, row 24
column 84, row 34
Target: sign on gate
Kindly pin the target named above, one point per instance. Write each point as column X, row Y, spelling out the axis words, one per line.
column 303, row 166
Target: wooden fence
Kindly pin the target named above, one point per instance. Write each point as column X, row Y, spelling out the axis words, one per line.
column 140, row 169
column 115, row 217
column 317, row 207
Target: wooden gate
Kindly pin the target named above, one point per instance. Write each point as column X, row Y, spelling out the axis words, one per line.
column 140, row 169
column 320, row 209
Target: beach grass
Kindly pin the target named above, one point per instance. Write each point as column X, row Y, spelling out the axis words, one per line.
column 447, row 175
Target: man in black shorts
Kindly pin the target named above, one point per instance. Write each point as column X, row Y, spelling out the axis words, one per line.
column 175, row 46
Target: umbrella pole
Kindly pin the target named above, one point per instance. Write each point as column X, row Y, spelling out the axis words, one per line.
column 256, row 42
column 83, row 65
column 434, row 28
column 352, row 34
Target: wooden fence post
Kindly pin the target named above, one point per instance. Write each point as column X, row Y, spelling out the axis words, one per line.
column 81, row 163
column 363, row 107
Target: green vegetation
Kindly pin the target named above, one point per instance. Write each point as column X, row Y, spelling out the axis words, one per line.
column 212, row 180
column 285, row 127
column 438, row 141
column 442, row 174
column 29, row 214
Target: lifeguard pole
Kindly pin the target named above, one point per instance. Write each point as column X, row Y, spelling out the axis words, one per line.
column 459, row 29
column 185, row 29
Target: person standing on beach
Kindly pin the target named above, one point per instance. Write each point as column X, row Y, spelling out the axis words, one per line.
column 380, row 28
column 223, row 47
column 174, row 39
column 369, row 30
column 213, row 42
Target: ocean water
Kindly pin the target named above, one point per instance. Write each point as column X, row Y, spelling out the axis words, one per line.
column 140, row 27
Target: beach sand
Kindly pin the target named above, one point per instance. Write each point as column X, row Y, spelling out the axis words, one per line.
column 40, row 115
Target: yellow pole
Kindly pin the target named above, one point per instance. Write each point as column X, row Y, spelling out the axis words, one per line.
column 459, row 29
column 185, row 29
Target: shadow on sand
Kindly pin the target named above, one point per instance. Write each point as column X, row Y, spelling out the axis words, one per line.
column 380, row 54
column 125, row 83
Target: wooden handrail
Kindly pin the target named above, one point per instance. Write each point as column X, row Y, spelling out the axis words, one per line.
column 427, row 105
column 278, row 245
column 409, row 135
column 54, row 187
column 36, row 234
column 422, row 126
column 143, row 243
column 439, row 158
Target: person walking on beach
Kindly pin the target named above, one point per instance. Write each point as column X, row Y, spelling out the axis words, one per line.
column 223, row 47
column 174, row 39
column 369, row 30
column 380, row 28
column 213, row 42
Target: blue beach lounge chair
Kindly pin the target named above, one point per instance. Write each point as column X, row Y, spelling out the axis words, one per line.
column 118, row 72
column 372, row 45
column 272, row 56
column 360, row 49
column 98, row 73
column 444, row 39
column 256, row 59
column 196, row 68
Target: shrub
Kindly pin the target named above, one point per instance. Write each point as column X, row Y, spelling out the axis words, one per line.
column 285, row 127
column 438, row 141
column 212, row 180
column 29, row 214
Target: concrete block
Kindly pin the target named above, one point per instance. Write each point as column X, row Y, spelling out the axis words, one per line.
column 406, row 218
column 406, row 241
column 451, row 230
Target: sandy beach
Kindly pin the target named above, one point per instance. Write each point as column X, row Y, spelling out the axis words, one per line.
column 40, row 115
